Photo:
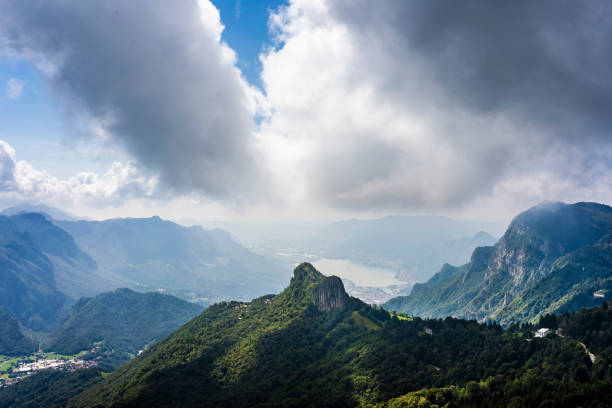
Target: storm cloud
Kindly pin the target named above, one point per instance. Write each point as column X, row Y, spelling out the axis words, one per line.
column 431, row 104
column 407, row 106
column 154, row 75
column 547, row 61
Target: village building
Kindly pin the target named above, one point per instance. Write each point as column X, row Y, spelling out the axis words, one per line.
column 543, row 332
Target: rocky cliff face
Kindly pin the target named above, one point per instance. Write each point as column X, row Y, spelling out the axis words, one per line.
column 542, row 234
column 330, row 294
column 552, row 257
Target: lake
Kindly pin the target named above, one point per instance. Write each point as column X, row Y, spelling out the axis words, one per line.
column 359, row 274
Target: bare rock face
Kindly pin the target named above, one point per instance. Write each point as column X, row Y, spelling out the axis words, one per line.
column 330, row 294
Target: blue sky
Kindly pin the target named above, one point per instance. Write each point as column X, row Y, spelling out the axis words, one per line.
column 246, row 31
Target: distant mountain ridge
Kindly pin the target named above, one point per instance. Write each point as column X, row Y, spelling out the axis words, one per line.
column 552, row 258
column 74, row 269
column 46, row 210
column 415, row 247
column 151, row 253
column 27, row 279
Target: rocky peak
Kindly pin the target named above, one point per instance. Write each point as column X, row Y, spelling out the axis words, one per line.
column 330, row 295
column 305, row 277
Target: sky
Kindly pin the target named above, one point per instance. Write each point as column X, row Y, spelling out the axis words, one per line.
column 304, row 109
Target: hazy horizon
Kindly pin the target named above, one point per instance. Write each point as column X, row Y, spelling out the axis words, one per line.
column 293, row 111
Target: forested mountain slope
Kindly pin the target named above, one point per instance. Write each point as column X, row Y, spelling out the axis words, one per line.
column 312, row 345
column 12, row 340
column 121, row 322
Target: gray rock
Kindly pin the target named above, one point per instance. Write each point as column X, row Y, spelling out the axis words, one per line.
column 330, row 294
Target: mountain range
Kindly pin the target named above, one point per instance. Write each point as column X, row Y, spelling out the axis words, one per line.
column 313, row 345
column 553, row 258
column 414, row 247
column 58, row 261
column 190, row 262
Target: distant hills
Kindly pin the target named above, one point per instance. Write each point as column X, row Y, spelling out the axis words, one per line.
column 121, row 323
column 312, row 345
column 419, row 244
column 74, row 270
column 415, row 247
column 190, row 262
column 553, row 258
column 48, row 211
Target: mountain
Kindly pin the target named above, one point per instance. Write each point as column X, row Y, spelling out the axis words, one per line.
column 122, row 322
column 552, row 258
column 151, row 253
column 74, row 270
column 46, row 210
column 312, row 345
column 27, row 280
column 12, row 340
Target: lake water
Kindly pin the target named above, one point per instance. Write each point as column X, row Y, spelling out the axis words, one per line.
column 359, row 274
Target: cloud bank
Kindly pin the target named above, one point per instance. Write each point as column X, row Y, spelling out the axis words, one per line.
column 426, row 104
column 21, row 181
column 366, row 106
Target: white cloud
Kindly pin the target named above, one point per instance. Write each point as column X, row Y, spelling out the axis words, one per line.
column 20, row 180
column 160, row 82
column 366, row 107
column 362, row 116
column 14, row 88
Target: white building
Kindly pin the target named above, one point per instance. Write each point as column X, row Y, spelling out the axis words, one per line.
column 543, row 332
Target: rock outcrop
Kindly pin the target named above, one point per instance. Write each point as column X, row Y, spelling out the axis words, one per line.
column 330, row 294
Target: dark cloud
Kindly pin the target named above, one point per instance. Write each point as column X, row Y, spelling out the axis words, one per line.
column 546, row 61
column 154, row 75
column 434, row 104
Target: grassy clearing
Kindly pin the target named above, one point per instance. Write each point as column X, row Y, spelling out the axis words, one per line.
column 402, row 316
column 363, row 321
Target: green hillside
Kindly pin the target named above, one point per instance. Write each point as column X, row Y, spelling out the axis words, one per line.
column 48, row 389
column 287, row 351
column 121, row 323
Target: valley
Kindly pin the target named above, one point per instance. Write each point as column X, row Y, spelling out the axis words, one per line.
column 15, row 368
column 305, row 204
